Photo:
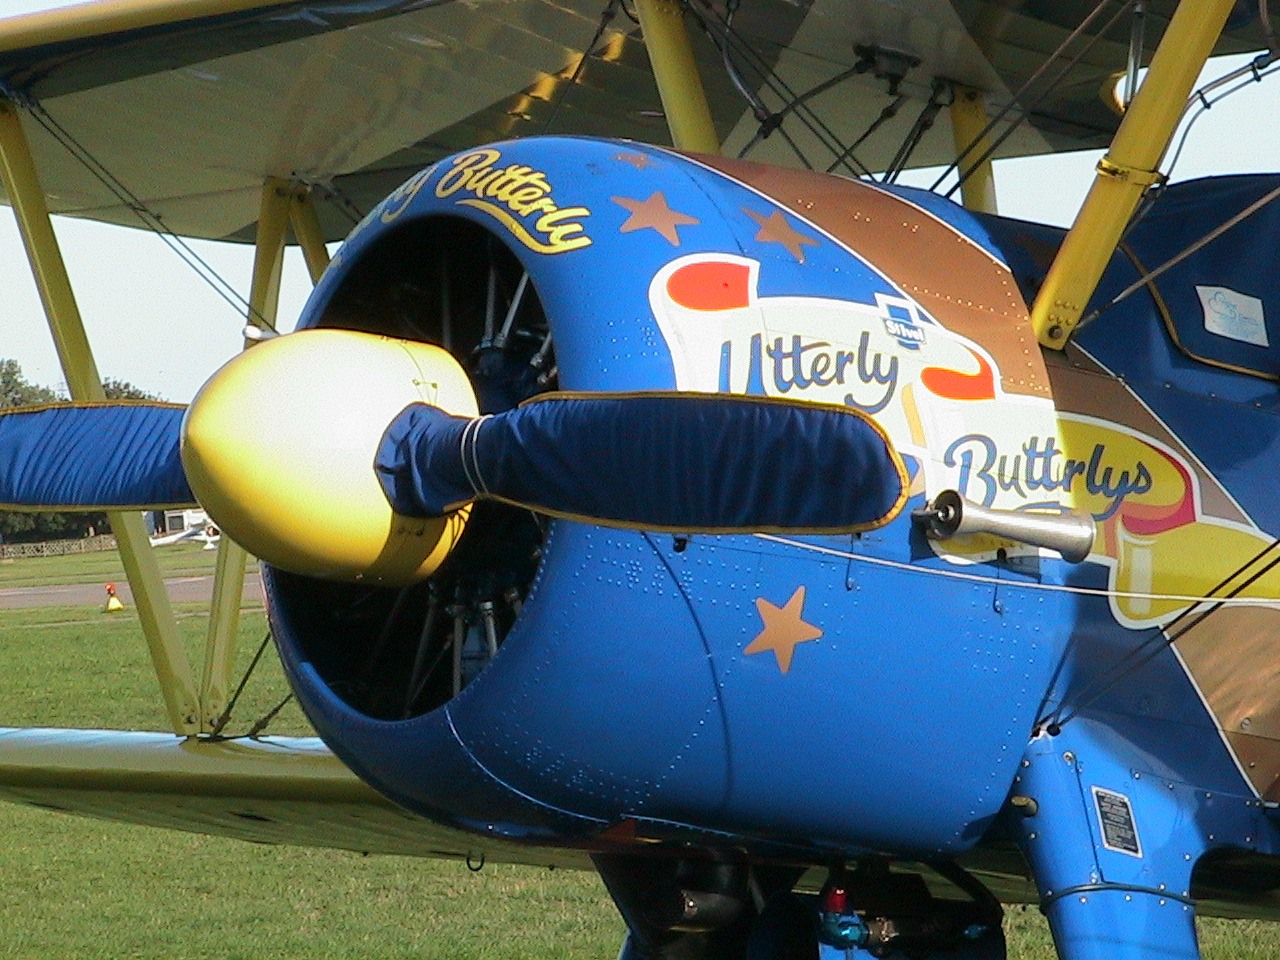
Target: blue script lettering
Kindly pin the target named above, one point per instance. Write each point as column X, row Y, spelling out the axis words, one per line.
column 1040, row 465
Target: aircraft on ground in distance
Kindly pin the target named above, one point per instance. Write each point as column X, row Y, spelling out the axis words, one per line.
column 823, row 561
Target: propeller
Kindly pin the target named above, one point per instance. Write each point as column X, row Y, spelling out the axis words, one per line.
column 354, row 456
column 677, row 462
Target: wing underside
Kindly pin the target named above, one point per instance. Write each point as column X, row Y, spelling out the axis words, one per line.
column 187, row 105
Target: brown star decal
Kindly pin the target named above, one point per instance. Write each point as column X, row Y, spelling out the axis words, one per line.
column 784, row 629
column 775, row 229
column 654, row 214
column 641, row 161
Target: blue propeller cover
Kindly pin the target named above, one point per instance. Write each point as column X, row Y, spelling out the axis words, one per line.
column 92, row 456
column 659, row 461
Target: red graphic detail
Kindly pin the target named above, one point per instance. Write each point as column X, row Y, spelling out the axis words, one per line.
column 1146, row 520
column 713, row 285
column 955, row 385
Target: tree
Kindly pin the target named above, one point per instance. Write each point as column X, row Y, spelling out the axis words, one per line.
column 22, row 527
column 15, row 391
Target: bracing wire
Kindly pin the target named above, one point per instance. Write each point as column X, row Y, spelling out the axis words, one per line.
column 1147, row 277
column 149, row 218
column 606, row 17
column 1027, row 85
column 924, row 121
column 888, row 113
column 225, row 716
column 1166, row 636
column 722, row 36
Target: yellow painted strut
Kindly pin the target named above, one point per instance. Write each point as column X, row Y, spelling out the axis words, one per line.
column 1128, row 169
column 968, row 123
column 47, row 267
column 683, row 98
column 228, row 576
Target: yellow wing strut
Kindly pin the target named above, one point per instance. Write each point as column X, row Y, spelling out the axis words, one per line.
column 683, row 99
column 1128, row 168
column 47, row 267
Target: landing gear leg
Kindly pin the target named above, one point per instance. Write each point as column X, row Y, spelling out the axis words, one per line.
column 1111, row 847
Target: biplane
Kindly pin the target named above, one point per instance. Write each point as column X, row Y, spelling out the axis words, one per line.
column 654, row 485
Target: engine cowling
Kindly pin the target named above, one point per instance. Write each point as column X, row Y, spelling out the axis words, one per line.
column 553, row 678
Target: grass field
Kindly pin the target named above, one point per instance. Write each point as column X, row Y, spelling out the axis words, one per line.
column 178, row 559
column 88, row 889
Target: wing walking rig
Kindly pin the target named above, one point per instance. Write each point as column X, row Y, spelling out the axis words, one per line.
column 740, row 531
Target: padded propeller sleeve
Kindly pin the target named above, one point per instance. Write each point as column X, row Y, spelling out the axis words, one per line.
column 658, row 461
column 92, row 456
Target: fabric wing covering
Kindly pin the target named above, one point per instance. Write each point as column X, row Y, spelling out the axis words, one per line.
column 677, row 462
column 92, row 457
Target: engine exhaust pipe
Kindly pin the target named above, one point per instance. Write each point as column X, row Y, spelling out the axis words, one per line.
column 951, row 515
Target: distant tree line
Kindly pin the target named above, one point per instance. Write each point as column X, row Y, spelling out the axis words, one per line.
column 15, row 527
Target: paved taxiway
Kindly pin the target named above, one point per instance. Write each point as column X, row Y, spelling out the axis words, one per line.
column 196, row 589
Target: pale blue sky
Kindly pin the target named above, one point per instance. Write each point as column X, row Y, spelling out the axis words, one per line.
column 153, row 322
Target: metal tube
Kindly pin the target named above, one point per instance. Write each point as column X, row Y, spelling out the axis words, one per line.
column 169, row 659
column 306, row 228
column 683, row 99
column 228, row 577
column 1128, row 169
column 968, row 128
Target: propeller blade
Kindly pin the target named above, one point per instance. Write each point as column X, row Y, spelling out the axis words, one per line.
column 680, row 462
column 120, row 455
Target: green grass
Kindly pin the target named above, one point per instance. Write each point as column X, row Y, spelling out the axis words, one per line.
column 90, row 889
column 102, row 566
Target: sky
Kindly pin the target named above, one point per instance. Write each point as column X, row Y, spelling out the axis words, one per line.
column 153, row 322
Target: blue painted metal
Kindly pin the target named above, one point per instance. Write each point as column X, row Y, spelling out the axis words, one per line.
column 92, row 456
column 643, row 682
column 564, row 726
column 1116, row 835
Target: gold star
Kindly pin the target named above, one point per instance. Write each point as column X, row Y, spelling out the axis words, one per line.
column 654, row 213
column 784, row 629
column 640, row 161
column 775, row 229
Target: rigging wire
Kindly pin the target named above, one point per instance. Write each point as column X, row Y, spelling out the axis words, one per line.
column 341, row 202
column 706, row 16
column 1016, row 98
column 607, row 16
column 1186, row 252
column 1035, row 586
column 774, row 120
column 1257, row 69
column 1164, row 638
column 150, row 219
column 225, row 716
column 886, row 114
column 918, row 129
column 758, row 109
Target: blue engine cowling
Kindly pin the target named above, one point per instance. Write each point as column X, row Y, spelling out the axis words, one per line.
column 620, row 688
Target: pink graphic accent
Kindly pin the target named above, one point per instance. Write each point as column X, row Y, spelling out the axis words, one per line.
column 1146, row 520
column 711, row 285
column 955, row 385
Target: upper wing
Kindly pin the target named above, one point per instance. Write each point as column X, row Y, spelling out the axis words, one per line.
column 187, row 105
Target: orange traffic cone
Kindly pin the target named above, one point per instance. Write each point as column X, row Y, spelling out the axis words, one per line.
column 113, row 602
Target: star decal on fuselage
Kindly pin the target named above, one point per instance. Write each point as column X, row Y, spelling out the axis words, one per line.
column 641, row 161
column 654, row 214
column 776, row 229
column 784, row 629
